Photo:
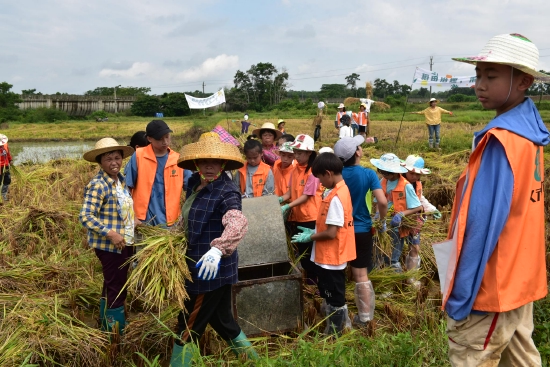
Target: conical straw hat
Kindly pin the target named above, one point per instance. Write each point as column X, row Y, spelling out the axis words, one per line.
column 210, row 146
column 107, row 145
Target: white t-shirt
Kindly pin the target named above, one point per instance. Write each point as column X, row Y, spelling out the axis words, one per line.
column 335, row 217
column 346, row 132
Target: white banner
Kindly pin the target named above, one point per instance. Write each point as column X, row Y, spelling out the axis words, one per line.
column 427, row 78
column 199, row 103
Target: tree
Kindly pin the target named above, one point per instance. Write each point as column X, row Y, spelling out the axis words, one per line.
column 9, row 111
column 146, row 106
column 261, row 86
column 333, row 91
column 351, row 80
column 539, row 88
column 382, row 88
column 30, row 92
column 121, row 91
column 174, row 104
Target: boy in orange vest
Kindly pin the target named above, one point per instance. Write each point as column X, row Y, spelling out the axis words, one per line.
column 402, row 201
column 255, row 178
column 334, row 239
column 282, row 168
column 497, row 268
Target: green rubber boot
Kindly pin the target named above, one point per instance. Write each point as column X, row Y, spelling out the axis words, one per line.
column 115, row 318
column 241, row 345
column 102, row 318
column 181, row 356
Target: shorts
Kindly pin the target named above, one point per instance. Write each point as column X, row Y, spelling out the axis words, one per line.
column 363, row 250
column 362, row 129
column 332, row 286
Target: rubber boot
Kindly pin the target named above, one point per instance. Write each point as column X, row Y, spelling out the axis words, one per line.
column 365, row 302
column 241, row 345
column 116, row 319
column 102, row 318
column 336, row 320
column 181, row 355
column 413, row 263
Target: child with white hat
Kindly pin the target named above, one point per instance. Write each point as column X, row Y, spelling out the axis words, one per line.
column 402, row 201
column 497, row 231
column 341, row 112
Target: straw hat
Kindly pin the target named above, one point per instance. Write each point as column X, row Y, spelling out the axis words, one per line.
column 364, row 105
column 433, row 100
column 341, row 105
column 415, row 164
column 389, row 162
column 510, row 49
column 303, row 142
column 286, row 147
column 281, row 121
column 3, row 139
column 106, row 145
column 268, row 126
column 210, row 146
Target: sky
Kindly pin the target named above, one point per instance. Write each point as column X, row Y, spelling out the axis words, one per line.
column 72, row 46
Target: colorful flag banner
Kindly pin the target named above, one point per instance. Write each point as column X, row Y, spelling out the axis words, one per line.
column 431, row 78
column 199, row 103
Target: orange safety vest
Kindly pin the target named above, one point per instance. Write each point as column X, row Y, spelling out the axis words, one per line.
column 282, row 177
column 339, row 115
column 516, row 271
column 361, row 118
column 308, row 211
column 173, row 184
column 342, row 247
column 258, row 178
column 398, row 197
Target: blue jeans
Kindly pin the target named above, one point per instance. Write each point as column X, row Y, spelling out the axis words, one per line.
column 397, row 246
column 433, row 129
column 354, row 127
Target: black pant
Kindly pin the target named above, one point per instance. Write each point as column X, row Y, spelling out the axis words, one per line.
column 114, row 275
column 363, row 250
column 332, row 286
column 212, row 308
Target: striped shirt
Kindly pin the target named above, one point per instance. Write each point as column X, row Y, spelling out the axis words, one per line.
column 101, row 211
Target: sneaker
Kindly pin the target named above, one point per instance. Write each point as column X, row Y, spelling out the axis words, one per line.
column 358, row 323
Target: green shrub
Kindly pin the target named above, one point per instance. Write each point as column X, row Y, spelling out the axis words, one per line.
column 44, row 114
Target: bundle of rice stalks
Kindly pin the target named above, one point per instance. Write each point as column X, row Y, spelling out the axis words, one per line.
column 317, row 120
column 49, row 337
column 159, row 278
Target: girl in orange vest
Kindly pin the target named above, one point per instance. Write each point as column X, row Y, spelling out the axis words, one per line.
column 401, row 198
column 341, row 112
column 255, row 178
column 282, row 169
column 304, row 194
column 334, row 239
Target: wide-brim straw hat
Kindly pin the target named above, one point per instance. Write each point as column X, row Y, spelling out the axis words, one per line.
column 433, row 100
column 389, row 162
column 364, row 105
column 210, row 146
column 106, row 145
column 341, row 105
column 3, row 139
column 268, row 126
column 512, row 49
column 303, row 142
column 415, row 163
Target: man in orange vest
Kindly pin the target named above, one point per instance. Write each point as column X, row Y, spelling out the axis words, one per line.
column 497, row 267
column 334, row 239
column 155, row 179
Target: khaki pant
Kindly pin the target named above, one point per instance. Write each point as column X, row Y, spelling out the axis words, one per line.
column 494, row 339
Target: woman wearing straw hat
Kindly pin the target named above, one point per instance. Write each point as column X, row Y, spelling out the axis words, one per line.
column 269, row 136
column 108, row 214
column 5, row 163
column 214, row 224
column 433, row 120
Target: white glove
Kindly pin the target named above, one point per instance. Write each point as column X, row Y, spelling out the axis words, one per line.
column 209, row 264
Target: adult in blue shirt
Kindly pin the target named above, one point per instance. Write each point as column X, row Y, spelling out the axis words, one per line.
column 359, row 181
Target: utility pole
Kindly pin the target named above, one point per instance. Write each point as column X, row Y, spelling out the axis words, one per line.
column 431, row 64
column 116, row 104
column 204, row 109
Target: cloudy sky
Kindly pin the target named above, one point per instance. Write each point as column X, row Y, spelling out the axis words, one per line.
column 174, row 45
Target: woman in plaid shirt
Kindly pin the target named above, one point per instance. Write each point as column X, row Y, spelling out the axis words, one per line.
column 214, row 225
column 108, row 214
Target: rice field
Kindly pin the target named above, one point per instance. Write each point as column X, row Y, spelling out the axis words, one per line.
column 50, row 281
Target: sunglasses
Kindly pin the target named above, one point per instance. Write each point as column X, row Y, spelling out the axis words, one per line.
column 384, row 173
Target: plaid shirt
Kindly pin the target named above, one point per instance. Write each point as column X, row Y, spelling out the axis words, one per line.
column 225, row 136
column 204, row 224
column 100, row 211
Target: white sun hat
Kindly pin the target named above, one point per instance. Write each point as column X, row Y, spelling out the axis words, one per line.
column 415, row 163
column 326, row 150
column 303, row 142
column 286, row 147
column 3, row 139
column 389, row 162
column 510, row 49
column 433, row 100
column 341, row 105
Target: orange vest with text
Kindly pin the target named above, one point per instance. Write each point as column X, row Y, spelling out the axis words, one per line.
column 282, row 177
column 398, row 197
column 339, row 116
column 258, row 178
column 308, row 211
column 173, row 184
column 342, row 247
column 361, row 118
column 516, row 271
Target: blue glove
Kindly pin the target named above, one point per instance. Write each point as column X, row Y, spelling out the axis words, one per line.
column 209, row 264
column 305, row 236
column 284, row 209
column 280, row 199
column 396, row 220
column 437, row 214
